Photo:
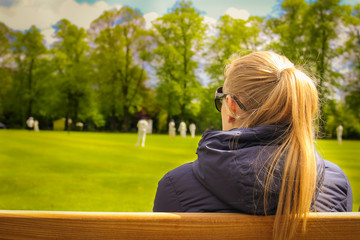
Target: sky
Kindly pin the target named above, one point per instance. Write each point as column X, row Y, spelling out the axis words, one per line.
column 44, row 14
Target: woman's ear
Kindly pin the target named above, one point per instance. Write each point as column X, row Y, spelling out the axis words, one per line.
column 232, row 104
column 232, row 107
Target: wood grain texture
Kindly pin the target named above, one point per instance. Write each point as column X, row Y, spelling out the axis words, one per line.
column 105, row 225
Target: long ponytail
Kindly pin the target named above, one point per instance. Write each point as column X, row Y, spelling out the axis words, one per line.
column 277, row 93
column 299, row 174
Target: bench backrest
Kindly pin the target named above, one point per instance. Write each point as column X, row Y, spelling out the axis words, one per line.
column 107, row 225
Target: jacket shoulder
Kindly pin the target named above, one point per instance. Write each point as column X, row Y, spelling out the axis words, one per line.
column 167, row 197
column 335, row 193
column 180, row 191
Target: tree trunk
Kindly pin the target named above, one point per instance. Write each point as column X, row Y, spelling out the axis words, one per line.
column 30, row 103
column 67, row 121
column 113, row 120
column 76, row 110
column 126, row 120
column 321, row 69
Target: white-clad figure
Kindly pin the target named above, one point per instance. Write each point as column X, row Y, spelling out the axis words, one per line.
column 182, row 129
column 80, row 125
column 36, row 125
column 30, row 122
column 192, row 128
column 339, row 131
column 142, row 128
column 172, row 129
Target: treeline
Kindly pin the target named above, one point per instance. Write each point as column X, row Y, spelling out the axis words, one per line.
column 117, row 71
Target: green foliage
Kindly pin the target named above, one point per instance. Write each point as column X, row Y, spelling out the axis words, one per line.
column 306, row 32
column 100, row 76
column 73, row 72
column 6, row 84
column 179, row 37
column 337, row 113
column 30, row 76
column 351, row 52
column 6, row 77
column 121, row 46
column 234, row 36
column 209, row 117
column 290, row 28
column 321, row 21
column 5, row 34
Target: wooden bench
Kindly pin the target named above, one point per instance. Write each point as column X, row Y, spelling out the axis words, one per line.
column 107, row 225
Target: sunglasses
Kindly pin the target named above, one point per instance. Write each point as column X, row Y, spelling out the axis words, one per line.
column 219, row 96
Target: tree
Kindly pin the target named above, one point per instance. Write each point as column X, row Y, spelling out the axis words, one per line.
column 351, row 52
column 233, row 36
column 338, row 113
column 307, row 34
column 5, row 44
column 73, row 72
column 29, row 52
column 121, row 46
column 291, row 30
column 322, row 20
column 5, row 66
column 179, row 38
column 208, row 116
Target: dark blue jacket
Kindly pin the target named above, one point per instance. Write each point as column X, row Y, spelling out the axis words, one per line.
column 228, row 176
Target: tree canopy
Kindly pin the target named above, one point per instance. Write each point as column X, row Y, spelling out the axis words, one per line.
column 118, row 71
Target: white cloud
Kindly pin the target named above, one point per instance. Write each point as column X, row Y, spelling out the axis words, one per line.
column 49, row 35
column 238, row 13
column 149, row 17
column 211, row 23
column 44, row 14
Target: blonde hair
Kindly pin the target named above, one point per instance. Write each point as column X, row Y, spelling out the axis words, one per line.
column 275, row 92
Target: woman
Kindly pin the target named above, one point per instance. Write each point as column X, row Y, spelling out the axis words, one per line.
column 264, row 161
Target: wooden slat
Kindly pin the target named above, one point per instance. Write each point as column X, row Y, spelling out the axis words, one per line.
column 97, row 225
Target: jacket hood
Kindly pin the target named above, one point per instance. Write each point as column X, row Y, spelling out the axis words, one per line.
column 233, row 166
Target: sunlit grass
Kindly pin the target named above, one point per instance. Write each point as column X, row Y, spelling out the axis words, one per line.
column 346, row 156
column 86, row 171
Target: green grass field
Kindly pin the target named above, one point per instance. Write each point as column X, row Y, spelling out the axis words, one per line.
column 86, row 171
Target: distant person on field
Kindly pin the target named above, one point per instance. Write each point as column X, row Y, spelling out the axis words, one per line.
column 182, row 129
column 264, row 161
column 36, row 125
column 142, row 128
column 339, row 132
column 192, row 128
column 172, row 129
column 30, row 122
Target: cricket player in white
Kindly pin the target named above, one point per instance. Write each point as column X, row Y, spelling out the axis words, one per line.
column 142, row 128
column 339, row 131
column 192, row 128
column 172, row 129
column 30, row 122
column 182, row 129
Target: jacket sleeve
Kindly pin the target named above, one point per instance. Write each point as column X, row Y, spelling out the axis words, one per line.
column 335, row 193
column 349, row 196
column 166, row 199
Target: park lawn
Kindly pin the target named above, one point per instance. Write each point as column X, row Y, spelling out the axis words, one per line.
column 87, row 171
column 346, row 156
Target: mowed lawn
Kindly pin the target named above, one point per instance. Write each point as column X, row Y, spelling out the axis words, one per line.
column 86, row 171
